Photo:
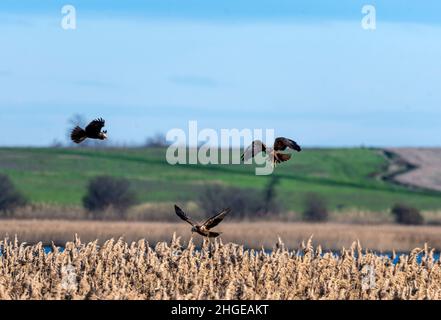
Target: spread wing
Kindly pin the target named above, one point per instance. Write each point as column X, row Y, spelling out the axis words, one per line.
column 181, row 214
column 95, row 126
column 282, row 143
column 214, row 221
column 255, row 148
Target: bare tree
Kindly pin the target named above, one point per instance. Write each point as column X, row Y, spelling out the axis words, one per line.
column 106, row 192
column 406, row 214
column 10, row 197
column 245, row 203
column 158, row 140
column 316, row 208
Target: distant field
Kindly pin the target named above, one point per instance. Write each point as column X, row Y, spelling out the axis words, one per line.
column 345, row 177
column 331, row 236
column 428, row 162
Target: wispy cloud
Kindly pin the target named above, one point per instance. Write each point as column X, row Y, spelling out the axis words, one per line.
column 95, row 83
column 5, row 73
column 190, row 80
column 16, row 19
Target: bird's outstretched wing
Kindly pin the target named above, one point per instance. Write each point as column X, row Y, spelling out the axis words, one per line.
column 252, row 150
column 94, row 127
column 181, row 214
column 282, row 143
column 215, row 220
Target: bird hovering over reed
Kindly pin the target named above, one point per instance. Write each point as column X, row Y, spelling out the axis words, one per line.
column 204, row 228
column 92, row 131
column 274, row 153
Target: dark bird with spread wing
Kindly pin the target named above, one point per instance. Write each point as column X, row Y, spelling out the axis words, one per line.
column 92, row 131
column 204, row 228
column 274, row 154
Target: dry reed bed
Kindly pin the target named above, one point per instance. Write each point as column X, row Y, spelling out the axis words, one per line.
column 119, row 270
column 252, row 234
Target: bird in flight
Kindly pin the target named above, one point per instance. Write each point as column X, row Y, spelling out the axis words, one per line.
column 204, row 228
column 274, row 153
column 92, row 131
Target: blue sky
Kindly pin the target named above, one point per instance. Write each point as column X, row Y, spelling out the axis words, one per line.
column 305, row 68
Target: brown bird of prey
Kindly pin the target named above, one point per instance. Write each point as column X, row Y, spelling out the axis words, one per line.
column 274, row 154
column 92, row 131
column 204, row 228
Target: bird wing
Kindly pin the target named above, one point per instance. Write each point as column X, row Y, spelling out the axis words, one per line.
column 255, row 148
column 95, row 126
column 181, row 214
column 215, row 220
column 282, row 143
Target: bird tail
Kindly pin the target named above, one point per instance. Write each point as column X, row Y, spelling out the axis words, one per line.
column 212, row 234
column 281, row 157
column 78, row 135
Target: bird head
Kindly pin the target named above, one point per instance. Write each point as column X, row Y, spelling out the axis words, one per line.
column 103, row 135
column 193, row 229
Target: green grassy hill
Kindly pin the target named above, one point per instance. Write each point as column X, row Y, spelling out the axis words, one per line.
column 343, row 176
